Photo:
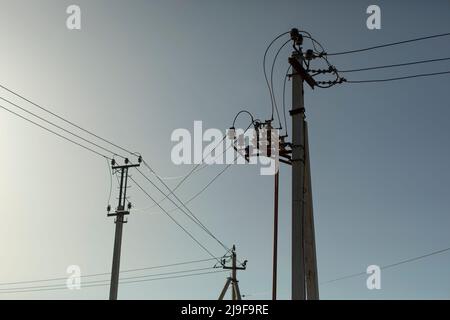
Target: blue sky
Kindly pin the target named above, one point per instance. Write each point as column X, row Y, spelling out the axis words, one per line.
column 139, row 70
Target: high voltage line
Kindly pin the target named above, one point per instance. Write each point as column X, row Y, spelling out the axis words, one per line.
column 107, row 280
column 196, row 220
column 199, row 167
column 55, row 133
column 121, row 282
column 265, row 72
column 399, row 78
column 59, row 127
column 388, row 44
column 390, row 265
column 182, row 205
column 191, row 215
column 175, row 221
column 66, row 120
column 394, row 65
column 108, row 273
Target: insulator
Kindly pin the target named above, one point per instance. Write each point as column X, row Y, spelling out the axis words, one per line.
column 296, row 37
column 126, row 160
column 113, row 162
column 129, row 206
column 140, row 159
column 108, row 208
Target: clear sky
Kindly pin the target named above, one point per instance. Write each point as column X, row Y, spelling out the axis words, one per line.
column 137, row 70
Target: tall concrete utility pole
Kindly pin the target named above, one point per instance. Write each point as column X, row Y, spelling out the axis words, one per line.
column 304, row 266
column 275, row 236
column 120, row 213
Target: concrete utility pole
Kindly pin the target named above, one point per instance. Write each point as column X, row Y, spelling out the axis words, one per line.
column 235, row 292
column 275, row 236
column 120, row 213
column 304, row 266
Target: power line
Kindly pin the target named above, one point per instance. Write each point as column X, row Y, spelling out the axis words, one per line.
column 271, row 80
column 398, row 78
column 67, row 121
column 210, row 183
column 59, row 127
column 181, row 182
column 387, row 45
column 190, row 215
column 122, row 282
column 264, row 68
column 390, row 265
column 107, row 280
column 196, row 195
column 108, row 273
column 394, row 65
column 176, row 222
column 196, row 167
column 55, row 133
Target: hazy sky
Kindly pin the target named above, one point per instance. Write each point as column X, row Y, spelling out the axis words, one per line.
column 137, row 70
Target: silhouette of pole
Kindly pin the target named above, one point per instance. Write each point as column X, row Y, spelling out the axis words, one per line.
column 298, row 171
column 304, row 265
column 120, row 213
column 232, row 280
column 275, row 237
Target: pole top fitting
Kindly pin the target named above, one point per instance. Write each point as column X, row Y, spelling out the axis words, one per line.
column 296, row 37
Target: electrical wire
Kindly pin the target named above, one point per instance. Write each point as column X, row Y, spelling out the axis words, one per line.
column 390, row 265
column 191, row 215
column 175, row 221
column 55, row 133
column 264, row 68
column 65, row 120
column 59, row 127
column 394, row 65
column 271, row 82
column 109, row 273
column 388, row 44
column 399, row 78
column 108, row 280
column 199, row 166
column 120, row 282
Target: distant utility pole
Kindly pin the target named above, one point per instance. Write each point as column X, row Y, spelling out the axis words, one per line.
column 304, row 264
column 120, row 213
column 235, row 292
